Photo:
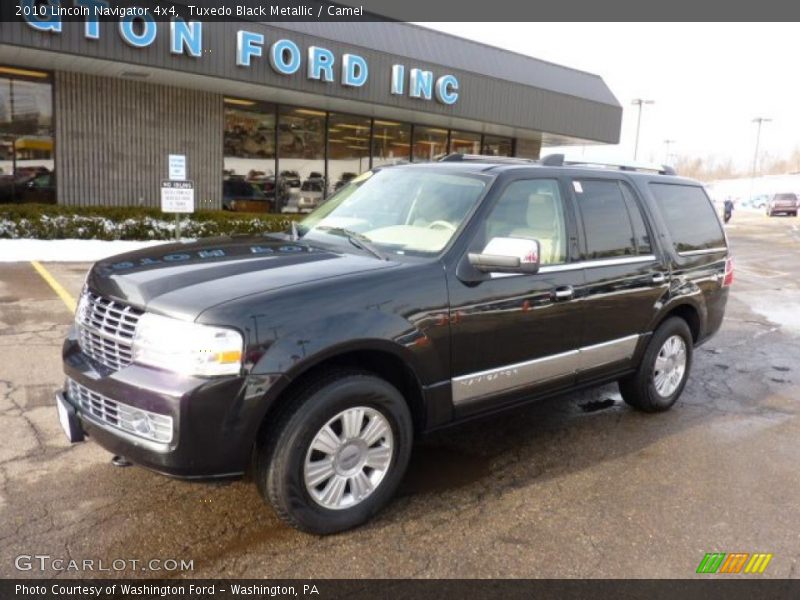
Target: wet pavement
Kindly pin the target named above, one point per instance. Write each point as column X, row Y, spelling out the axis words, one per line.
column 575, row 486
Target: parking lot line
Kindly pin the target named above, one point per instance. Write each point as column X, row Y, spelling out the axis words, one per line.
column 65, row 296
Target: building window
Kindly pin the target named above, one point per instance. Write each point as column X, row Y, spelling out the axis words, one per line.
column 391, row 142
column 494, row 145
column 465, row 142
column 348, row 148
column 429, row 142
column 301, row 156
column 527, row 148
column 27, row 167
column 249, row 156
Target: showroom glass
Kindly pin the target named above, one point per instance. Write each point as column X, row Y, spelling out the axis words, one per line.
column 606, row 220
column 301, row 151
column 465, row 142
column 531, row 209
column 497, row 146
column 401, row 210
column 249, row 153
column 391, row 142
column 686, row 210
column 27, row 168
column 429, row 143
column 348, row 148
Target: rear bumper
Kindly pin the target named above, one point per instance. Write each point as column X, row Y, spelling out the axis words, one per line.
column 215, row 421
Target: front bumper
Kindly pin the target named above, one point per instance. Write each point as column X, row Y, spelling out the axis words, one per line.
column 215, row 420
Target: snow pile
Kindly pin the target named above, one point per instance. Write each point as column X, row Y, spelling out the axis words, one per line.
column 66, row 250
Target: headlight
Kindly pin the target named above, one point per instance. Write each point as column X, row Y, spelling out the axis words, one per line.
column 187, row 348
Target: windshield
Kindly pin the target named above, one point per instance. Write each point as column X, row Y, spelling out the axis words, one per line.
column 401, row 211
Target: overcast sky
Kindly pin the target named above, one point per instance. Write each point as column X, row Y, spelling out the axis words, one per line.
column 708, row 80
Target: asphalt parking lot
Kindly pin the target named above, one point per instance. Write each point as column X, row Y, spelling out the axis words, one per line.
column 576, row 486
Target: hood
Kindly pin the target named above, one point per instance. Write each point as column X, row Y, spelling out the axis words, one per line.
column 184, row 279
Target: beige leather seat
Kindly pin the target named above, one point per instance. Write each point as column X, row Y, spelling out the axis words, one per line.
column 542, row 223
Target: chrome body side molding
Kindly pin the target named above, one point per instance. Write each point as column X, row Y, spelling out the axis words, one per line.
column 472, row 387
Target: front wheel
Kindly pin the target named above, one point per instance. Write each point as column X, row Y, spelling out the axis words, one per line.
column 337, row 455
column 663, row 371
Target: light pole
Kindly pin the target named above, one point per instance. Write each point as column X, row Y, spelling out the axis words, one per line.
column 639, row 102
column 758, row 120
column 667, row 144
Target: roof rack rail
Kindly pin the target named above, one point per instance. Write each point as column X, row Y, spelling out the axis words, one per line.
column 557, row 160
column 458, row 157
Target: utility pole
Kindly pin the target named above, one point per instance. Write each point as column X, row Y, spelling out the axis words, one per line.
column 758, row 120
column 667, row 144
column 639, row 102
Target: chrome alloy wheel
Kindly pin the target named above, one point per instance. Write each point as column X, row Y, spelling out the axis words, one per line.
column 348, row 458
column 670, row 366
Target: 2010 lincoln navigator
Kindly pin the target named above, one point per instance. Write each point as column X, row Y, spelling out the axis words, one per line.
column 415, row 297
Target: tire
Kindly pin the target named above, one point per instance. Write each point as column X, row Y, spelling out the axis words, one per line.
column 641, row 390
column 285, row 455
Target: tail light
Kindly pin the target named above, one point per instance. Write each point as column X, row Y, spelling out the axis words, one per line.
column 728, row 279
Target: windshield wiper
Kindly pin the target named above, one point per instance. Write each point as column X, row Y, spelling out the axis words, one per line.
column 358, row 240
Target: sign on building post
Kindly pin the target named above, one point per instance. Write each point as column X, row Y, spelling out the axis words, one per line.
column 177, row 167
column 177, row 197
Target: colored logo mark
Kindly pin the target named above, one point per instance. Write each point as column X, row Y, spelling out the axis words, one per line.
column 735, row 562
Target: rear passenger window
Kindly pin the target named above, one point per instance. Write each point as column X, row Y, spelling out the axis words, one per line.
column 606, row 219
column 690, row 218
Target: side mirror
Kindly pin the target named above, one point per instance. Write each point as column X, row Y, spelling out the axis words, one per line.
column 507, row 255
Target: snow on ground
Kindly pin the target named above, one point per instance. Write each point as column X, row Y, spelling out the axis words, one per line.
column 66, row 250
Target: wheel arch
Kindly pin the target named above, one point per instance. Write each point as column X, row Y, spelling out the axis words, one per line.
column 380, row 359
column 687, row 311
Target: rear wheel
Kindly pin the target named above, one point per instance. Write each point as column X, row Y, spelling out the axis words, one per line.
column 337, row 454
column 664, row 369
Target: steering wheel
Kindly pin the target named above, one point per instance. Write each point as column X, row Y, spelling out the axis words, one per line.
column 442, row 225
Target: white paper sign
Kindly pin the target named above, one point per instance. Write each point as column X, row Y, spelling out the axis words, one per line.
column 177, row 167
column 177, row 196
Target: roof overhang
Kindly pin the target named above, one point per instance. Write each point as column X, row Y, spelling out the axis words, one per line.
column 521, row 97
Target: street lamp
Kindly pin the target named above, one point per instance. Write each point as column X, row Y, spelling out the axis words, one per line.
column 639, row 102
column 667, row 144
column 758, row 120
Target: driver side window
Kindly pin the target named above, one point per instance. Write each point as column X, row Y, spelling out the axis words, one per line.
column 532, row 209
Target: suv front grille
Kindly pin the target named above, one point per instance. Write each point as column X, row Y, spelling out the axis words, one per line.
column 142, row 423
column 106, row 329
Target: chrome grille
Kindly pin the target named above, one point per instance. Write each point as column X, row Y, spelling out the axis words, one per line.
column 141, row 423
column 106, row 329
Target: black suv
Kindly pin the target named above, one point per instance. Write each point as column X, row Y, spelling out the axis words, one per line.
column 416, row 297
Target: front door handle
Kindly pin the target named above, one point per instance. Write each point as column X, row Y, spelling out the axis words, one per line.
column 564, row 293
column 659, row 278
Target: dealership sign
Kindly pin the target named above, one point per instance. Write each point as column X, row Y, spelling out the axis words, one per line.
column 137, row 27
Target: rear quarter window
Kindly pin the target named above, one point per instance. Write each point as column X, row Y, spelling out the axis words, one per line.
column 689, row 215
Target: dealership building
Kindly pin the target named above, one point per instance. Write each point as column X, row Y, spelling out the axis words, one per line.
column 90, row 111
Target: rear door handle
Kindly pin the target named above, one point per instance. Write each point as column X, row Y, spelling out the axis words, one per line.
column 659, row 278
column 564, row 293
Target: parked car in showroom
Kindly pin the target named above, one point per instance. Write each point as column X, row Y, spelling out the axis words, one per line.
column 307, row 198
column 345, row 178
column 242, row 196
column 314, row 358
column 782, row 204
